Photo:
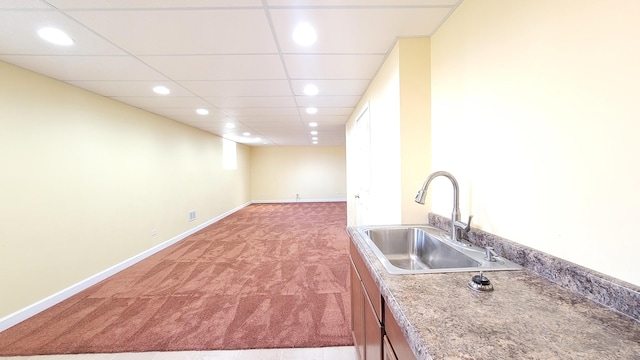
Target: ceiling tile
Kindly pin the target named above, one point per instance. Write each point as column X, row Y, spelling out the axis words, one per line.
column 327, row 119
column 186, row 32
column 218, row 67
column 370, row 31
column 130, row 88
column 364, row 3
column 144, row 4
column 328, row 101
column 269, row 120
column 305, row 66
column 189, row 114
column 19, row 35
column 239, row 87
column 290, row 111
column 328, row 128
column 23, row 4
column 332, row 87
column 162, row 101
column 327, row 111
column 252, row 101
column 86, row 67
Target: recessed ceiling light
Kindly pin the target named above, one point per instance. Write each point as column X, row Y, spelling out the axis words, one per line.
column 162, row 90
column 313, row 124
column 202, row 112
column 314, row 138
column 304, row 34
column 314, row 132
column 315, row 143
column 312, row 110
column 230, row 125
column 257, row 139
column 55, row 36
column 311, row 90
column 246, row 133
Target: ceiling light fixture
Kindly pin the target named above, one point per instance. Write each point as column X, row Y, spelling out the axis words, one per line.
column 55, row 36
column 230, row 125
column 314, row 138
column 246, row 133
column 162, row 90
column 304, row 34
column 314, row 132
column 311, row 90
column 202, row 112
column 312, row 110
column 315, row 143
column 313, row 124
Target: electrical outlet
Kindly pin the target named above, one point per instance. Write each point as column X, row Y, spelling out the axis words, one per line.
column 297, row 197
column 192, row 215
column 154, row 232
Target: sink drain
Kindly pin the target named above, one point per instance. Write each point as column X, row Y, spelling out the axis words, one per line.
column 480, row 283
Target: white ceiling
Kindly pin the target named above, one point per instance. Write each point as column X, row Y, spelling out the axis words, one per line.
column 236, row 58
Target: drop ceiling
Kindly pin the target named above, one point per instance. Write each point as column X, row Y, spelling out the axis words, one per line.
column 236, row 58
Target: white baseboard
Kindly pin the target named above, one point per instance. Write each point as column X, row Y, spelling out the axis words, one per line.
column 299, row 200
column 33, row 309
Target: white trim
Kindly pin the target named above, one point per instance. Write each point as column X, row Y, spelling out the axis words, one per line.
column 33, row 309
column 299, row 200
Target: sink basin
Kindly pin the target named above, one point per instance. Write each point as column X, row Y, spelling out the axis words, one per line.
column 409, row 249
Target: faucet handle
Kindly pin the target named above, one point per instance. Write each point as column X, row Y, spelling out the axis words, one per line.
column 490, row 254
column 468, row 227
column 463, row 228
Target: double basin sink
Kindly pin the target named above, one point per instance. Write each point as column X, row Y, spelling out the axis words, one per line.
column 416, row 249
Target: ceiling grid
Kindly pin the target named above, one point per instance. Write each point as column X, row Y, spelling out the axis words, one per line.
column 235, row 58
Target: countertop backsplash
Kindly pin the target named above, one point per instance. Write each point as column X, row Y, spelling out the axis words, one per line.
column 608, row 291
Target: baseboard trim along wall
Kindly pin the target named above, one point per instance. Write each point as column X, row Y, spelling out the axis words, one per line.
column 33, row 309
column 298, row 200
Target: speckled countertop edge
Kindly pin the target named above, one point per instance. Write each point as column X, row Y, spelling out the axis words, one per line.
column 378, row 273
column 614, row 293
column 528, row 317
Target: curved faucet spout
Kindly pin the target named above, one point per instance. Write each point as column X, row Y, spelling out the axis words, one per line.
column 423, row 192
column 456, row 225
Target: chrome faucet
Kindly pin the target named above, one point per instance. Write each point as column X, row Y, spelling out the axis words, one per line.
column 458, row 228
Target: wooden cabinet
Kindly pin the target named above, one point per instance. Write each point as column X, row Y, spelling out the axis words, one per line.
column 357, row 312
column 376, row 334
column 396, row 340
column 366, row 310
column 387, row 351
column 372, row 332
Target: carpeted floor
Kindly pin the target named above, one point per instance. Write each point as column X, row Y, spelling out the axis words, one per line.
column 270, row 275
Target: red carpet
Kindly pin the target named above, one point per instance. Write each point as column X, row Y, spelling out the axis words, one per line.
column 270, row 275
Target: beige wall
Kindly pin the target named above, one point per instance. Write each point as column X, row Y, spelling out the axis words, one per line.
column 535, row 112
column 380, row 195
column 399, row 113
column 415, row 124
column 313, row 173
column 86, row 179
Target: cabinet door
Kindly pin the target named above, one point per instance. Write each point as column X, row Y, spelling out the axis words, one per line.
column 357, row 313
column 387, row 351
column 396, row 339
column 372, row 333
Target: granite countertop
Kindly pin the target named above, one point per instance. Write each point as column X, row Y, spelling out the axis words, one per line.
column 525, row 317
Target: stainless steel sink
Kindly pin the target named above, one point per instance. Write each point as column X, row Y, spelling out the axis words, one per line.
column 414, row 249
